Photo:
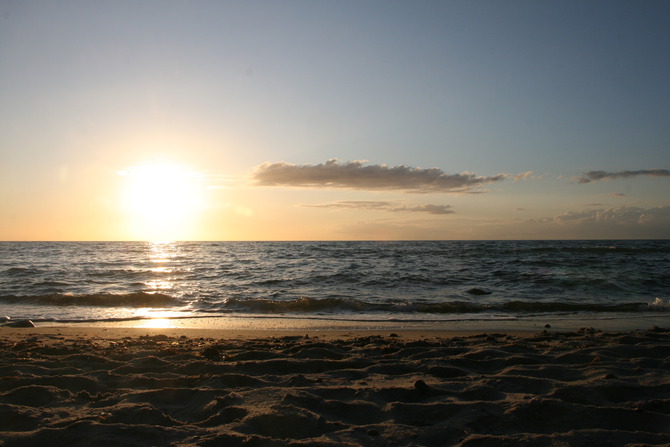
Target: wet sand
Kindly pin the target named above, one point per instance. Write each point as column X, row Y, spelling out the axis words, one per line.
column 141, row 386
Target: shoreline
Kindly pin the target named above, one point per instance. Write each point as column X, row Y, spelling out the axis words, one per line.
column 246, row 329
column 47, row 333
column 322, row 324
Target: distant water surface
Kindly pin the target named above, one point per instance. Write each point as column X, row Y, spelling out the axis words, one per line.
column 427, row 280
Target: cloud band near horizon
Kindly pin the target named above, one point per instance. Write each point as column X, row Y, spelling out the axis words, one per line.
column 356, row 175
column 386, row 206
column 604, row 175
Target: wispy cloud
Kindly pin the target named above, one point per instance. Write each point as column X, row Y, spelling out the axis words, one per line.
column 428, row 208
column 386, row 206
column 356, row 175
column 591, row 176
column 625, row 215
column 606, row 223
column 525, row 176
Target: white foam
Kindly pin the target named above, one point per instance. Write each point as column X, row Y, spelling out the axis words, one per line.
column 659, row 304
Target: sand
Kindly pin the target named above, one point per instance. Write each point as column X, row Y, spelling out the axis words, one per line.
column 124, row 386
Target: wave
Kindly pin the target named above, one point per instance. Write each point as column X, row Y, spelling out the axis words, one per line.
column 328, row 305
column 660, row 305
column 137, row 299
column 21, row 271
column 337, row 305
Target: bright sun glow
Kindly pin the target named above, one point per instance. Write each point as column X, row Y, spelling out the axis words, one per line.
column 156, row 323
column 161, row 201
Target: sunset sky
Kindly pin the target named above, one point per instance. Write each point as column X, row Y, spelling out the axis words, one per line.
column 330, row 120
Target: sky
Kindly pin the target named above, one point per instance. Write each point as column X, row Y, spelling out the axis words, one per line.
column 334, row 120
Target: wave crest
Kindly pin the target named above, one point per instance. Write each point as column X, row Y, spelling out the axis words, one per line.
column 137, row 299
column 333, row 305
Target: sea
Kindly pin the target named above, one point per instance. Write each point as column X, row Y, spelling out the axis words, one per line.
column 397, row 281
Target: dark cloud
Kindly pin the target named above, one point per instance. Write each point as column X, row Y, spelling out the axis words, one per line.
column 356, row 175
column 354, row 204
column 430, row 209
column 604, row 175
column 386, row 206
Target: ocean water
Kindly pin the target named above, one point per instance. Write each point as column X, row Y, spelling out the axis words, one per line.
column 357, row 281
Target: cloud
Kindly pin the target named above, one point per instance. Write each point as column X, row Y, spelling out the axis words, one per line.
column 625, row 222
column 354, row 204
column 603, row 175
column 404, row 228
column 430, row 209
column 386, row 206
column 356, row 175
column 525, row 176
column 621, row 216
column 612, row 223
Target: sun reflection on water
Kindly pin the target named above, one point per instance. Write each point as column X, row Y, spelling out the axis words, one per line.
column 159, row 285
column 162, row 255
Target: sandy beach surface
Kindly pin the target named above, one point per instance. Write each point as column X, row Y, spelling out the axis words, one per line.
column 75, row 386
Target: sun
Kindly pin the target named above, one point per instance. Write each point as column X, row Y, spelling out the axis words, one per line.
column 161, row 201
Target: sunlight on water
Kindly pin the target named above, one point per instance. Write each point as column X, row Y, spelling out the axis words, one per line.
column 162, row 251
column 159, row 285
column 162, row 254
column 450, row 280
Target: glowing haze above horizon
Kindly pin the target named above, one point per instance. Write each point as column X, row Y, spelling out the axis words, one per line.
column 341, row 120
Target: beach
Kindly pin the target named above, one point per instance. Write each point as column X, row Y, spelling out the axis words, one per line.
column 243, row 387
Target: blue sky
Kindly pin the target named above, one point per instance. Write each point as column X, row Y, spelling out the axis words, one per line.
column 539, row 93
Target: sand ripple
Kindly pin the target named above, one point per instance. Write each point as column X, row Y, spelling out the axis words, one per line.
column 581, row 388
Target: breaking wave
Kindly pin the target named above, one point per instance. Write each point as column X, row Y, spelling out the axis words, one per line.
column 328, row 305
column 335, row 305
column 436, row 279
column 137, row 299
